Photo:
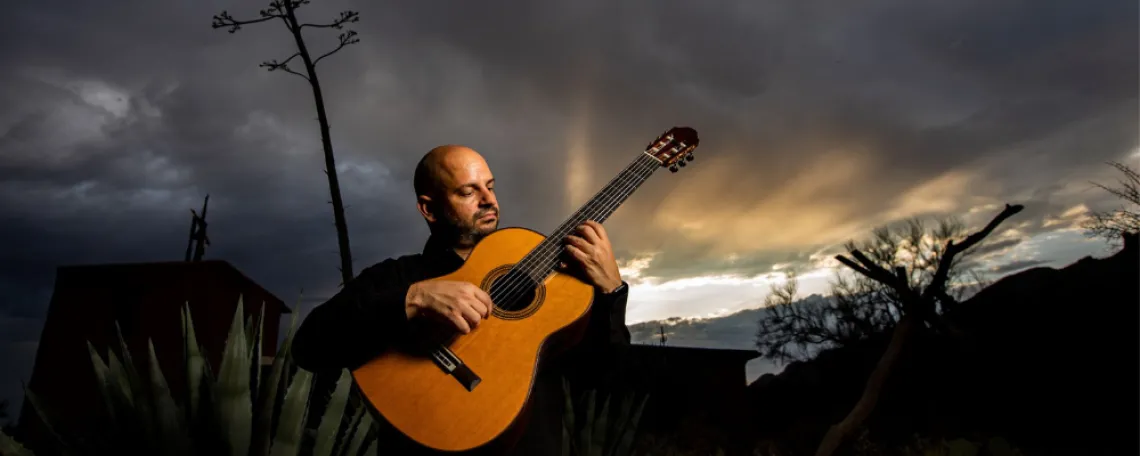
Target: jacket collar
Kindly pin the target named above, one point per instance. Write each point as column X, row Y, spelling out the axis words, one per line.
column 440, row 255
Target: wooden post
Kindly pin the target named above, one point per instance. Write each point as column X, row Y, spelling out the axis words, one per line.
column 198, row 238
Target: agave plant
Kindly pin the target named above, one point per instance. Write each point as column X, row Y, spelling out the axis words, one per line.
column 609, row 433
column 237, row 412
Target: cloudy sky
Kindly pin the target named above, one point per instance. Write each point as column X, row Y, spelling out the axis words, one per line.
column 819, row 121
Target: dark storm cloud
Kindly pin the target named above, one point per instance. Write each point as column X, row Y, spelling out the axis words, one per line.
column 1016, row 94
column 119, row 117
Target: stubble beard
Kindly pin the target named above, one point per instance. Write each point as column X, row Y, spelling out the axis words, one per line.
column 467, row 233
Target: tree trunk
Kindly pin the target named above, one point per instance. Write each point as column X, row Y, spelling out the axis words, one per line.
column 839, row 432
column 326, row 142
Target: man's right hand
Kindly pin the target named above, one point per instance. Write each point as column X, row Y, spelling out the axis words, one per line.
column 460, row 304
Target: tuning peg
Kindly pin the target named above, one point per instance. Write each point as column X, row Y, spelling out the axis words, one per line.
column 673, row 168
column 681, row 162
column 689, row 157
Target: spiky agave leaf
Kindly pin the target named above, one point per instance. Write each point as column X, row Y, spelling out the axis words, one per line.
column 234, row 406
column 131, row 411
column 255, row 349
column 341, row 443
column 625, row 439
column 598, row 442
column 169, row 423
column 568, row 428
column 587, row 432
column 196, row 366
column 115, row 391
column 138, row 394
column 334, row 413
column 609, row 433
column 268, row 392
column 358, row 430
column 624, row 411
column 200, row 409
column 372, row 449
column 248, row 327
column 63, row 444
column 566, row 439
column 10, row 447
column 117, row 375
column 131, row 374
column 365, row 430
column 250, row 338
column 291, row 423
column 103, row 384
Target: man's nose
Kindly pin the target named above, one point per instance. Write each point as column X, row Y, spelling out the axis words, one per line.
column 488, row 198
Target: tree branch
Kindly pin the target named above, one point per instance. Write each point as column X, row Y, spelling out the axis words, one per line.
column 225, row 20
column 871, row 390
column 878, row 273
column 856, row 267
column 274, row 65
column 938, row 282
column 346, row 38
column 345, row 18
column 274, row 62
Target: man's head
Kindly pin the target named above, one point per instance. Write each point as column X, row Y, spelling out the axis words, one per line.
column 455, row 193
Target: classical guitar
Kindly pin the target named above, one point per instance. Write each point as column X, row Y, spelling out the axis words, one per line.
column 461, row 392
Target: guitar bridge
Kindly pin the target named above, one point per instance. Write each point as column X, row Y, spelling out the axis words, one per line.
column 452, row 365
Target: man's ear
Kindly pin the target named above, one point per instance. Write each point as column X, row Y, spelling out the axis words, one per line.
column 426, row 208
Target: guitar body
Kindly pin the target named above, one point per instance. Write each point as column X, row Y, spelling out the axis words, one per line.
column 418, row 398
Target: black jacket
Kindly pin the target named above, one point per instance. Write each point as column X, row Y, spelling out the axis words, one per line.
column 367, row 315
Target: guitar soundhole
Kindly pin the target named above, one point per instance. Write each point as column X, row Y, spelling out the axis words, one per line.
column 515, row 294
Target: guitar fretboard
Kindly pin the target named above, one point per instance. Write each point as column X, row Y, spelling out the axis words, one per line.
column 541, row 261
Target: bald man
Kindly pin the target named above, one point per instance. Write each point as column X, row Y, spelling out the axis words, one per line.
column 385, row 303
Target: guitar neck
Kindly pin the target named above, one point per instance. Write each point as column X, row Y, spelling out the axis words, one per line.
column 609, row 198
column 541, row 261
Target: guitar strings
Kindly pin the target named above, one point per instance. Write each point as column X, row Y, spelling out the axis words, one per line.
column 543, row 260
column 533, row 264
column 627, row 185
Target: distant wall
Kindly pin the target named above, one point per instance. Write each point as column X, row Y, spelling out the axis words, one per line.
column 689, row 388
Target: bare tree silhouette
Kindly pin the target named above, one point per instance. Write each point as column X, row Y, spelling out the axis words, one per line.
column 920, row 295
column 1112, row 225
column 859, row 308
column 285, row 10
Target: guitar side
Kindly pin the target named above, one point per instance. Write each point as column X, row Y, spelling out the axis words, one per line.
column 415, row 396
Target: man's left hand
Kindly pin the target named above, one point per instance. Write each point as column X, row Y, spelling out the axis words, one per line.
column 593, row 253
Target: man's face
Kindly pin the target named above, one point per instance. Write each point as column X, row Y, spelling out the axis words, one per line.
column 468, row 200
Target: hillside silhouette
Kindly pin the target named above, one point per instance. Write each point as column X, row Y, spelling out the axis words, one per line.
column 733, row 331
column 1048, row 363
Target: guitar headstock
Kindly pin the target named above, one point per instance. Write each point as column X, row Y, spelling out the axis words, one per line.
column 674, row 147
